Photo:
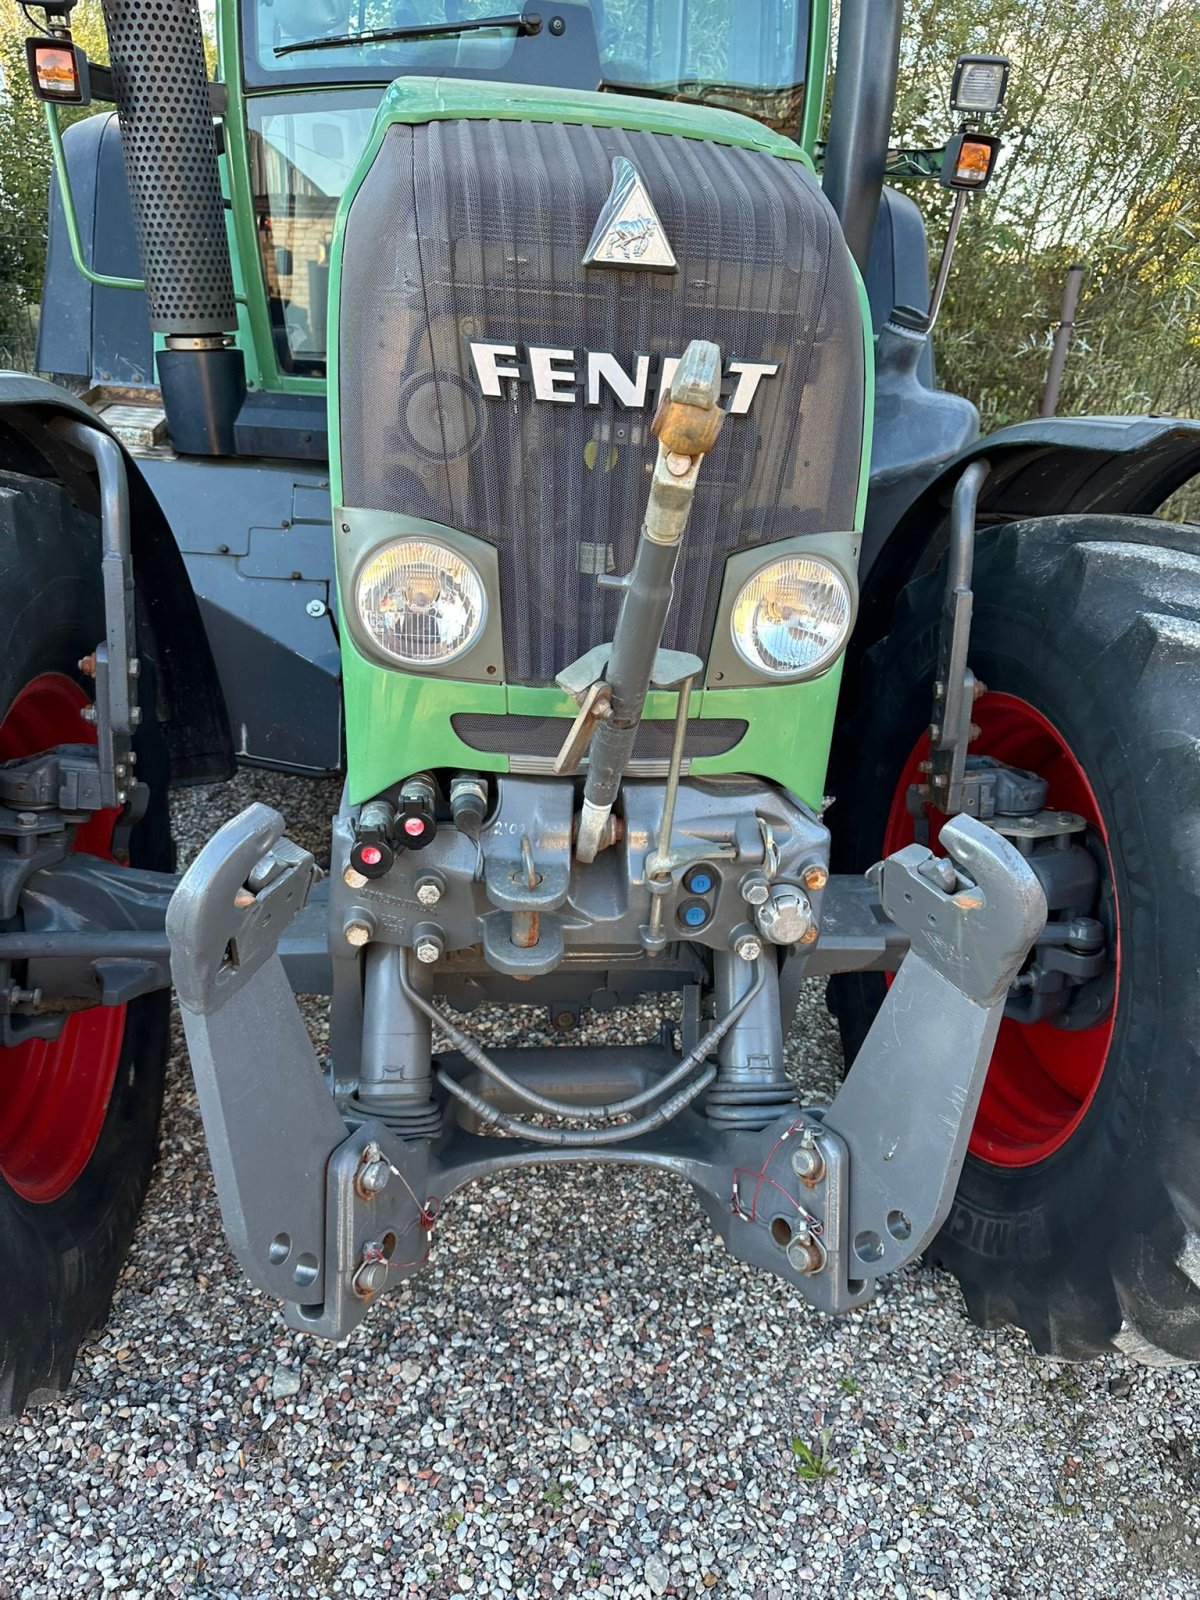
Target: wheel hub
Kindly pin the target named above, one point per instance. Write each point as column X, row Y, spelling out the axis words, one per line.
column 54, row 1093
column 1059, row 1020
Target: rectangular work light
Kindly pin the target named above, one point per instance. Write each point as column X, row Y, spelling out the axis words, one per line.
column 979, row 85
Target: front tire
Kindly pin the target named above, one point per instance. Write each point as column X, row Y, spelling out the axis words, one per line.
column 1077, row 1216
column 78, row 1114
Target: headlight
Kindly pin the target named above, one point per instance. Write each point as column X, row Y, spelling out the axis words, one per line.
column 423, row 604
column 792, row 617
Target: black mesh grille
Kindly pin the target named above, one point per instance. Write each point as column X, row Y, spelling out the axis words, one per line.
column 543, row 736
column 160, row 82
column 476, row 230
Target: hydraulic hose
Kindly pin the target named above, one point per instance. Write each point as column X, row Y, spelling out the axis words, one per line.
column 579, row 1137
column 559, row 1108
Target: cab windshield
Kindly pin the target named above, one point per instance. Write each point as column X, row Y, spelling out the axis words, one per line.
column 745, row 55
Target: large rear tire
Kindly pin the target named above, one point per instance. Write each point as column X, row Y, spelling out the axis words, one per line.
column 1077, row 1217
column 78, row 1114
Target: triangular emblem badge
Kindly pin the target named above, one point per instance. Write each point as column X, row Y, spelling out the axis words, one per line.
column 628, row 232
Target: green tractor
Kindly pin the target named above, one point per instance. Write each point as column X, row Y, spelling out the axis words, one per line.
column 525, row 417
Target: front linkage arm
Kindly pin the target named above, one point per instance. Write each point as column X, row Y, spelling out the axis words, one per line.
column 325, row 1206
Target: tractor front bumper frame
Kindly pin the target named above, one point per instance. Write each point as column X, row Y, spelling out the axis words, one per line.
column 326, row 1206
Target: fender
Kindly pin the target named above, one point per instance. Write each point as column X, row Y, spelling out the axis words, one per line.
column 1054, row 466
column 196, row 724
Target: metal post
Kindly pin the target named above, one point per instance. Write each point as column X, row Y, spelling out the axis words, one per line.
column 943, row 272
column 860, row 121
column 671, row 796
column 1062, row 338
column 687, row 427
column 752, row 1086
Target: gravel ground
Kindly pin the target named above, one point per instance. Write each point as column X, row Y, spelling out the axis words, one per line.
column 582, row 1394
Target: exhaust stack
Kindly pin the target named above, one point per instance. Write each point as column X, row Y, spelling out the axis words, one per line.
column 860, row 120
column 160, row 82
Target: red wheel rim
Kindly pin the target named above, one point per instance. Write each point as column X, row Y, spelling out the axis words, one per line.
column 54, row 1093
column 1042, row 1079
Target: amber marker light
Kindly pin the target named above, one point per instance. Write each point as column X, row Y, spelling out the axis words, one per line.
column 969, row 160
column 58, row 71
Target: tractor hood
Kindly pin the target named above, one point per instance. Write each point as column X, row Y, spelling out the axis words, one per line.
column 515, row 275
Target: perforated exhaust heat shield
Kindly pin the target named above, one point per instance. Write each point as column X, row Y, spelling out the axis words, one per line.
column 161, row 85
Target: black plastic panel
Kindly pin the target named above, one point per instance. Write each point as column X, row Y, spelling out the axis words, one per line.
column 543, row 736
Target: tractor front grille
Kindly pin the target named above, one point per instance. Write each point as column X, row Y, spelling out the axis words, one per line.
column 475, row 230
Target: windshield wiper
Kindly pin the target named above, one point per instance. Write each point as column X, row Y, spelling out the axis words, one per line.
column 527, row 23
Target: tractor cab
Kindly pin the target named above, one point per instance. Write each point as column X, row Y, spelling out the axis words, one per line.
column 313, row 74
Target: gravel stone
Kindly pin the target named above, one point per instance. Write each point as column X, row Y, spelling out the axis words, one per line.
column 284, row 1382
column 658, row 1575
column 432, row 1454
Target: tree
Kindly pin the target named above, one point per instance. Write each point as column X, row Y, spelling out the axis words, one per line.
column 1102, row 143
column 25, row 174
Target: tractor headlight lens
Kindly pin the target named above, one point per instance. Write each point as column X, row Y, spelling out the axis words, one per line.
column 792, row 617
column 422, row 603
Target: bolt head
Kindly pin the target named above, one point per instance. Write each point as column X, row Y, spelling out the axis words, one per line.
column 756, row 891
column 370, row 1278
column 678, row 465
column 815, row 876
column 807, row 1161
column 358, row 934
column 354, row 879
column 747, row 947
column 27, row 819
column 316, row 608
column 428, row 952
column 429, row 893
column 804, row 1254
column 374, row 1177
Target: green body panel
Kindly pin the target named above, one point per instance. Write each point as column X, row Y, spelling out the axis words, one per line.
column 445, row 99
column 398, row 723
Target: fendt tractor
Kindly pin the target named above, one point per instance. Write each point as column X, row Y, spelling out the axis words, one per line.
column 514, row 414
